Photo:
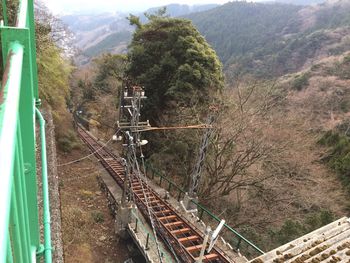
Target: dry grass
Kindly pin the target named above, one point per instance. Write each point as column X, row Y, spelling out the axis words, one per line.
column 87, row 226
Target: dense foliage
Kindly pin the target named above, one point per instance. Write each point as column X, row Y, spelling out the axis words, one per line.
column 109, row 67
column 174, row 63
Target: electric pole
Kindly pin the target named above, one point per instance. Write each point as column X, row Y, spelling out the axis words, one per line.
column 192, row 194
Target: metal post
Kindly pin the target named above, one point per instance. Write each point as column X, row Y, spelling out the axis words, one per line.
column 4, row 12
column 169, row 187
column 125, row 183
column 179, row 196
column 205, row 242
column 147, row 239
column 239, row 243
column 135, row 229
column 197, row 171
column 201, row 214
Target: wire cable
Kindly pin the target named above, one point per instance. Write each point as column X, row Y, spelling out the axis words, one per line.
column 91, row 154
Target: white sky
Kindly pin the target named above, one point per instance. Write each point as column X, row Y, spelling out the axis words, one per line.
column 68, row 6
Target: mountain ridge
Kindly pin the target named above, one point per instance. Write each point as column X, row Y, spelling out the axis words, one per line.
column 111, row 32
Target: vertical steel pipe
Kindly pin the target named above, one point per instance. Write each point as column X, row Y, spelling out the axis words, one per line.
column 45, row 190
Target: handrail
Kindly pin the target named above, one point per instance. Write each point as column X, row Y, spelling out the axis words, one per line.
column 10, row 93
column 45, row 186
column 19, row 221
column 202, row 209
column 228, row 227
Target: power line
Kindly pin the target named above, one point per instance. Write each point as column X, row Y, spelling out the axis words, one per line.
column 87, row 156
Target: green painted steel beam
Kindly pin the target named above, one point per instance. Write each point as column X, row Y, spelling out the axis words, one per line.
column 34, row 66
column 4, row 12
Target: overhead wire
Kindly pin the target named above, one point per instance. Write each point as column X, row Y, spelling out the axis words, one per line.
column 143, row 180
column 136, row 132
column 198, row 126
column 150, row 209
column 91, row 154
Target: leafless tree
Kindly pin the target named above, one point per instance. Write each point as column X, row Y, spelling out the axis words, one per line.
column 51, row 28
column 239, row 143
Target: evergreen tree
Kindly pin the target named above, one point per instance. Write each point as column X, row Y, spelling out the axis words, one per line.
column 174, row 63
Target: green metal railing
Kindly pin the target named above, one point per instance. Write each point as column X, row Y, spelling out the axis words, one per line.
column 242, row 244
column 19, row 221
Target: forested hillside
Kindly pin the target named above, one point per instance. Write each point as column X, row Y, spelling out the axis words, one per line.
column 301, row 2
column 111, row 33
column 270, row 40
column 243, row 27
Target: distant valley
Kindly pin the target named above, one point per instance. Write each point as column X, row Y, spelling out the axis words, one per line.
column 97, row 34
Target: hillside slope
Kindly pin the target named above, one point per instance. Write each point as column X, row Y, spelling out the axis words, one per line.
column 301, row 2
column 111, row 33
column 270, row 40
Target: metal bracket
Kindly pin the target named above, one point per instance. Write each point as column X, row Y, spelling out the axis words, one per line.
column 40, row 251
column 12, row 34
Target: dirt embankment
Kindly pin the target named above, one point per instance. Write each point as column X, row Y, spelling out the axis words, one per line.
column 87, row 225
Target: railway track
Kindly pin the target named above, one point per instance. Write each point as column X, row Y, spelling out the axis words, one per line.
column 179, row 234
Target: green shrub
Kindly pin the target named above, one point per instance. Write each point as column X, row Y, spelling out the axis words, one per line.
column 98, row 217
column 300, row 82
column 340, row 69
column 329, row 138
column 338, row 157
column 345, row 106
column 67, row 141
column 292, row 229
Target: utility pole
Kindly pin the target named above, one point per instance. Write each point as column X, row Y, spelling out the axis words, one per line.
column 129, row 123
column 192, row 194
column 126, row 181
